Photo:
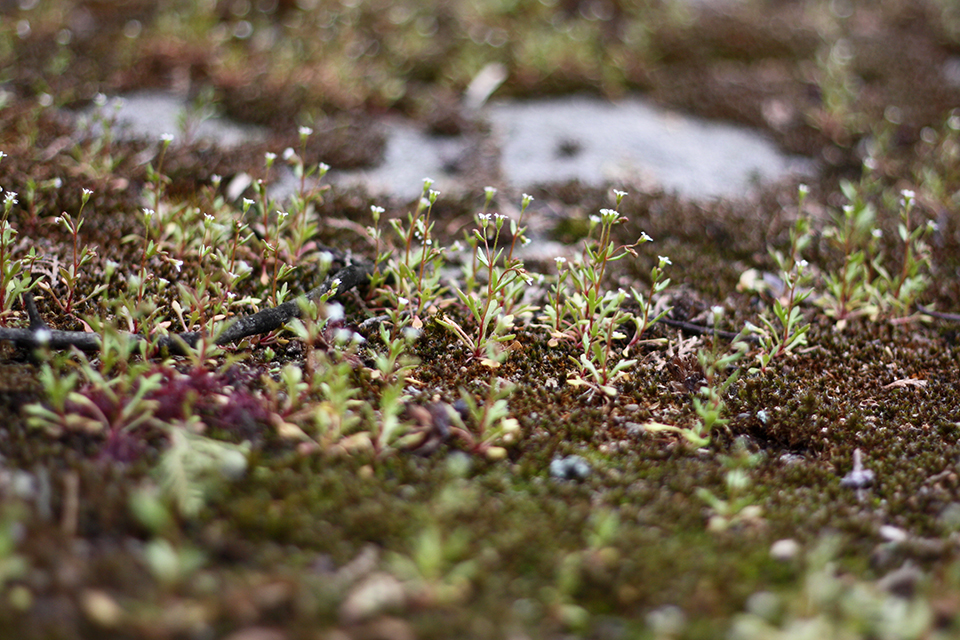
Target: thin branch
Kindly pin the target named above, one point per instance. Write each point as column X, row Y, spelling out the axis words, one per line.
column 264, row 321
column 699, row 329
column 952, row 317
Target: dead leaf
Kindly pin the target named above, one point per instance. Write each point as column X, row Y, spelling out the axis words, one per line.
column 905, row 382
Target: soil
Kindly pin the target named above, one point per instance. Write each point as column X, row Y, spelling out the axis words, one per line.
column 762, row 532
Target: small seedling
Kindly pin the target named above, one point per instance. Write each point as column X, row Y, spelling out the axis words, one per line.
column 790, row 329
column 737, row 507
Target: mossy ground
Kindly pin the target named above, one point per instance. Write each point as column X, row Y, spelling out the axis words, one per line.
column 500, row 548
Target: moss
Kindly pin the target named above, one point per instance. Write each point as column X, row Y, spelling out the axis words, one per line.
column 289, row 543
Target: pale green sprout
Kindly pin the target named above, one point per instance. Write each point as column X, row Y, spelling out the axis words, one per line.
column 709, row 403
column 493, row 312
column 658, row 284
column 737, row 507
column 790, row 329
column 495, row 429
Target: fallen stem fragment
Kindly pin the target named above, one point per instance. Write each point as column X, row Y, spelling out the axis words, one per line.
column 40, row 335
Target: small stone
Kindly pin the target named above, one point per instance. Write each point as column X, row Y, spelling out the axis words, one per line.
column 668, row 620
column 902, row 582
column 784, row 550
column 791, row 458
column 101, row 608
column 858, row 478
column 377, row 594
column 893, row 534
column 570, row 468
column 634, row 429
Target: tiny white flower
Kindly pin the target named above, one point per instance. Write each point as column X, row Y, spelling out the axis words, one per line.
column 402, row 302
column 247, row 203
column 270, row 156
column 595, row 219
column 490, row 191
column 177, row 264
column 717, row 311
column 645, row 238
column 148, row 212
column 410, row 334
column 288, row 153
column 100, row 100
column 933, row 226
column 908, row 194
column 209, row 217
column 231, row 295
column 3, row 155
column 609, row 216
column 323, row 167
column 664, row 260
column 334, row 312
column 343, row 335
column 305, row 131
column 166, row 138
column 11, row 197
column 57, row 183
column 619, row 193
column 877, row 233
column 560, row 260
column 376, row 209
column 282, row 214
column 43, row 336
column 803, row 189
column 87, row 192
column 499, row 216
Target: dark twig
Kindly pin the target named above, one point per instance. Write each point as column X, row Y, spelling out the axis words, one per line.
column 952, row 317
column 371, row 323
column 38, row 335
column 698, row 329
column 36, row 322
